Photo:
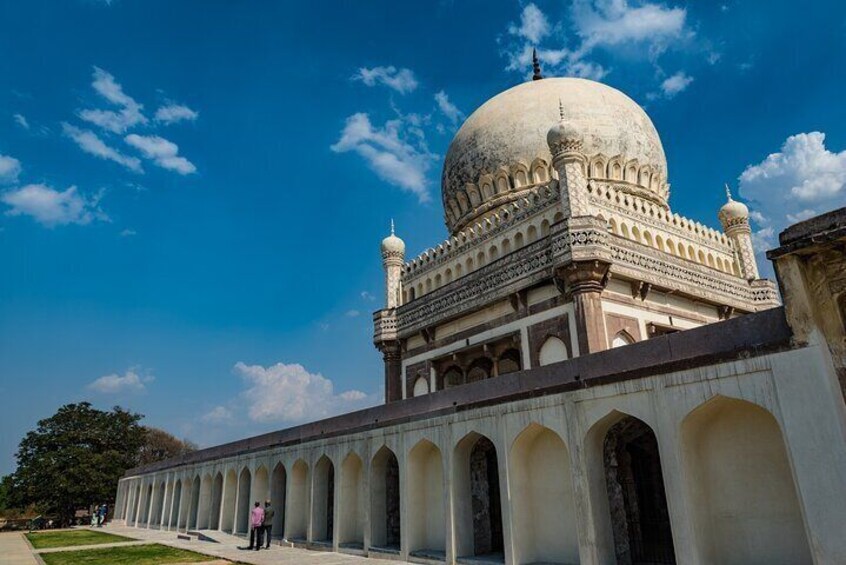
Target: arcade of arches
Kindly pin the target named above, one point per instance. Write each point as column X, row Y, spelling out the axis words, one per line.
column 592, row 476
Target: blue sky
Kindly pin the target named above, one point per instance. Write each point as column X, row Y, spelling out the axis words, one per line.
column 192, row 194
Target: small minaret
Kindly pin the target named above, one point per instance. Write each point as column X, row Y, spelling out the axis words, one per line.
column 566, row 144
column 734, row 216
column 393, row 257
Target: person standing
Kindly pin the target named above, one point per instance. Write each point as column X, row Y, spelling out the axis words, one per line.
column 268, row 522
column 256, row 523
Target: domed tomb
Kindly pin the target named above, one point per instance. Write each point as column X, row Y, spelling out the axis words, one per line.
column 501, row 150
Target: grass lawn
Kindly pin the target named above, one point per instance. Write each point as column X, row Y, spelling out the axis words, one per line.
column 150, row 554
column 70, row 538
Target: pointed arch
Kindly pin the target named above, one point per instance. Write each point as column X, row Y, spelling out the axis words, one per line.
column 323, row 501
column 385, row 527
column 478, row 519
column 744, row 496
column 543, row 504
column 216, row 502
column 352, row 496
column 297, row 503
column 242, row 516
column 622, row 338
column 278, row 492
column 425, row 493
column 553, row 350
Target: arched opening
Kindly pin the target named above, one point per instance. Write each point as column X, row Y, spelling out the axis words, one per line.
column 323, row 505
column 242, row 518
column 296, row 515
column 351, row 526
column 544, row 512
column 278, row 485
column 425, row 491
column 518, row 240
column 438, row 281
column 544, row 228
column 493, row 253
column 421, row 386
column 185, row 504
column 385, row 501
column 622, row 338
column 204, row 503
column 744, row 498
column 532, row 234
column 480, row 259
column 174, row 507
column 453, row 377
column 508, row 362
column 148, row 500
column 640, row 521
column 624, row 231
column 230, row 497
column 194, row 507
column 506, row 246
column 469, row 264
column 480, row 369
column 260, row 490
column 478, row 520
column 216, row 502
column 553, row 350
column 157, row 509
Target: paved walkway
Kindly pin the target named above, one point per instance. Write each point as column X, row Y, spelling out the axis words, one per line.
column 15, row 550
column 228, row 549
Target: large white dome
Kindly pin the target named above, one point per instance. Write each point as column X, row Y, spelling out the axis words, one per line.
column 508, row 134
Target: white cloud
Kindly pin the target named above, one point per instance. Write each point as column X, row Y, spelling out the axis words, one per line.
column 50, row 207
column 131, row 381
column 89, row 142
column 646, row 30
column 401, row 80
column 218, row 415
column 20, row 119
column 130, row 113
column 162, row 152
column 450, row 110
column 10, row 168
column 128, row 232
column 794, row 184
column 675, row 84
column 173, row 113
column 534, row 26
column 367, row 296
column 352, row 314
column 290, row 394
column 396, row 152
column 615, row 22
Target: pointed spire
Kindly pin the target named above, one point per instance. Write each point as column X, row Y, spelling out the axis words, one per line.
column 392, row 226
column 561, row 109
column 728, row 193
column 536, row 66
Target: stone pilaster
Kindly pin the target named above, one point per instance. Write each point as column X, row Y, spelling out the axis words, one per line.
column 584, row 281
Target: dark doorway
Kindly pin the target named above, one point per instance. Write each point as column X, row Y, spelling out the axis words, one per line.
column 484, row 490
column 392, row 502
column 640, row 520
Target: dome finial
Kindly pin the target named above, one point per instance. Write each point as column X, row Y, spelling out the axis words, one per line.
column 560, row 109
column 536, row 70
column 728, row 193
column 392, row 226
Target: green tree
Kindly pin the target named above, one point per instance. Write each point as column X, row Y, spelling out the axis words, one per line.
column 75, row 458
column 159, row 445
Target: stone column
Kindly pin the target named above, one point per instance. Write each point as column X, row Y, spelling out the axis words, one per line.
column 585, row 281
column 392, row 355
